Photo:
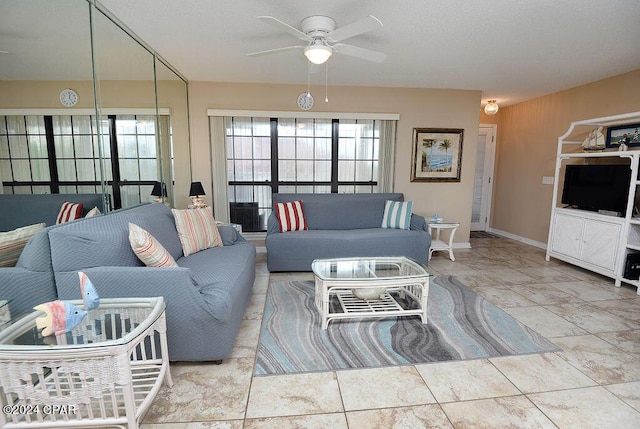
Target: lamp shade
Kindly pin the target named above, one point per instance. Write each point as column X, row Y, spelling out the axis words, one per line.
column 491, row 108
column 159, row 190
column 317, row 54
column 196, row 189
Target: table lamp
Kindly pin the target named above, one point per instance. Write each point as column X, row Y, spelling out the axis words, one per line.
column 196, row 191
column 159, row 191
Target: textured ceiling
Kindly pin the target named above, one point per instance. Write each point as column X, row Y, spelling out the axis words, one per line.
column 511, row 50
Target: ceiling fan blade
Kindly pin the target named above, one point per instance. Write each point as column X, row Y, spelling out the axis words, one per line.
column 273, row 51
column 360, row 26
column 365, row 54
column 285, row 27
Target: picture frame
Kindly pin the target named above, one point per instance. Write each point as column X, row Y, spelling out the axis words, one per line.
column 436, row 154
column 628, row 134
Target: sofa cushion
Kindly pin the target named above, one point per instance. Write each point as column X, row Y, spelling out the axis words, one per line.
column 148, row 249
column 397, row 214
column 12, row 243
column 291, row 216
column 197, row 229
column 104, row 240
column 68, row 212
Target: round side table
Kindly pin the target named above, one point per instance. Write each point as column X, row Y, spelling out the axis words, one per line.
column 438, row 244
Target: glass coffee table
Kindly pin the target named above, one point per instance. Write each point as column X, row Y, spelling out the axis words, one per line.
column 348, row 288
column 104, row 372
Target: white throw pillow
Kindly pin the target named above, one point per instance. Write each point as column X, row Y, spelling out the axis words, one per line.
column 93, row 212
column 148, row 249
column 197, row 229
column 12, row 243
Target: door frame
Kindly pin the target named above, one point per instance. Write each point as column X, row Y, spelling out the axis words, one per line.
column 489, row 130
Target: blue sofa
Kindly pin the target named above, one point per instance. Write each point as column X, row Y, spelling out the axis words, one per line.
column 342, row 225
column 31, row 281
column 205, row 296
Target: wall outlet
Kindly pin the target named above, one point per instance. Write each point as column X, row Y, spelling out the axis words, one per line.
column 547, row 180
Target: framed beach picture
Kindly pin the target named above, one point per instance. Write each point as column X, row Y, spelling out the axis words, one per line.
column 437, row 154
column 623, row 134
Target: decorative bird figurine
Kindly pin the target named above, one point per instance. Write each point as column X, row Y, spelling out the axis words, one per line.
column 89, row 293
column 60, row 317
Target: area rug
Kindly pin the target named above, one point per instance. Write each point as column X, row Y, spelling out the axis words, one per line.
column 461, row 325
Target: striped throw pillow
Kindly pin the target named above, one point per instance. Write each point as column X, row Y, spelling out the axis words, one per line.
column 291, row 216
column 12, row 243
column 69, row 211
column 148, row 249
column 197, row 229
column 397, row 214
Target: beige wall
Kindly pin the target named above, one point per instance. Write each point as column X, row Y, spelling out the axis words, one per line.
column 526, row 148
column 417, row 108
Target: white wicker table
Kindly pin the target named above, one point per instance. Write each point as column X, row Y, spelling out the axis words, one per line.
column 392, row 286
column 105, row 372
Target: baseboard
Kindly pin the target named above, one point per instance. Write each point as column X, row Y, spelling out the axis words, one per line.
column 524, row 240
column 466, row 245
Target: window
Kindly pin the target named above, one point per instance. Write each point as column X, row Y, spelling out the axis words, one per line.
column 60, row 154
column 297, row 155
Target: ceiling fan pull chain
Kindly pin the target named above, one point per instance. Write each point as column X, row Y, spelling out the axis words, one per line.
column 326, row 82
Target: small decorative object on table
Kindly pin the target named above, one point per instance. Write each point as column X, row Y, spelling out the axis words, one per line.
column 594, row 141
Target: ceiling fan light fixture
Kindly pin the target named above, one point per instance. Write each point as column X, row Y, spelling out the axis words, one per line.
column 318, row 53
column 491, row 108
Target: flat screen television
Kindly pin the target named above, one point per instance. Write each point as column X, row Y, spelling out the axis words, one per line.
column 597, row 187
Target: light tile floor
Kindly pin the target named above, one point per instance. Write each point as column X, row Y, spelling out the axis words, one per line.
column 594, row 382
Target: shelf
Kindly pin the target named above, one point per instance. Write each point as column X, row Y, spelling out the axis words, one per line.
column 566, row 225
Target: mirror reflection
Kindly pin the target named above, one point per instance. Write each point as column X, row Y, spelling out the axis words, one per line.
column 70, row 126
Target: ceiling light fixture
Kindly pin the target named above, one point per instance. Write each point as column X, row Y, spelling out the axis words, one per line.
column 491, row 108
column 317, row 52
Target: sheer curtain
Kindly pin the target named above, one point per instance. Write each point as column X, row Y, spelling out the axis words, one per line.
column 387, row 155
column 217, row 127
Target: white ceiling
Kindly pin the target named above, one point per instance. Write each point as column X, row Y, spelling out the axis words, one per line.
column 511, row 50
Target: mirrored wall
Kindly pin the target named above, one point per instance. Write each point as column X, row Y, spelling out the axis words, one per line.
column 87, row 107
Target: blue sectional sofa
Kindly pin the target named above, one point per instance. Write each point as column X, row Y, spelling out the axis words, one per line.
column 205, row 296
column 342, row 225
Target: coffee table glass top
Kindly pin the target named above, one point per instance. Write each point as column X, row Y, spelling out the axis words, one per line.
column 116, row 321
column 367, row 268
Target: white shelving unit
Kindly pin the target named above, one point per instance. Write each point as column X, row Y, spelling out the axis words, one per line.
column 594, row 241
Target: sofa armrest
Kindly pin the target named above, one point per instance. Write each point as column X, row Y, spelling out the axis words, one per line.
column 230, row 235
column 26, row 288
column 273, row 226
column 418, row 223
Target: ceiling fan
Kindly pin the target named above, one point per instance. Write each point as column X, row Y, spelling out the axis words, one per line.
column 323, row 38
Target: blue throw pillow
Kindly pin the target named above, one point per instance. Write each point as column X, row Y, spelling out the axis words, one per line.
column 397, row 214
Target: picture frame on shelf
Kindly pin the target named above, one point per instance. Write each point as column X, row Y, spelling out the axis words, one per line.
column 436, row 154
column 628, row 134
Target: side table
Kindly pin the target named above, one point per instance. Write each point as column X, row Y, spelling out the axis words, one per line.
column 438, row 244
column 105, row 372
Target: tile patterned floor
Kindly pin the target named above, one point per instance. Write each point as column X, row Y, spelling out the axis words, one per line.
column 594, row 382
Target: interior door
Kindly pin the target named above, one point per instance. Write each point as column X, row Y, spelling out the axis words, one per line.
column 483, row 182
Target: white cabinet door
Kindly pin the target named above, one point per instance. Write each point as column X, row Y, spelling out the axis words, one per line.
column 601, row 242
column 567, row 235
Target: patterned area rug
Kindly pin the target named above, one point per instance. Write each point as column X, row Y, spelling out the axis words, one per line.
column 462, row 325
